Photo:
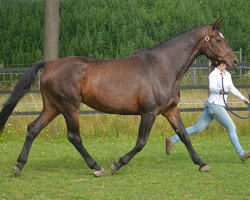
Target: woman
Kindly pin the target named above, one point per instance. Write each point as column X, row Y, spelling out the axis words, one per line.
column 215, row 109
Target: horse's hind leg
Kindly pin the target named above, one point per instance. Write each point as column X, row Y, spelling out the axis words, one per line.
column 72, row 120
column 34, row 129
column 174, row 118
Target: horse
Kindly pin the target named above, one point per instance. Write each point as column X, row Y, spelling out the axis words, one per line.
column 146, row 83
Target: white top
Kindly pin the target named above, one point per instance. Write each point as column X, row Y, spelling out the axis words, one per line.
column 215, row 85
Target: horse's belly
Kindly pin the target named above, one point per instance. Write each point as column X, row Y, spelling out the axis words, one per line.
column 116, row 104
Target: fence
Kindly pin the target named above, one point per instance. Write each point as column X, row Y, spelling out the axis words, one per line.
column 195, row 79
column 196, row 75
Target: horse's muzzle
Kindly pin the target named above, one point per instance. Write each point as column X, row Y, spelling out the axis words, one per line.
column 235, row 63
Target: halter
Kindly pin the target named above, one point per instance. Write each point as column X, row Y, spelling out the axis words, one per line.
column 208, row 45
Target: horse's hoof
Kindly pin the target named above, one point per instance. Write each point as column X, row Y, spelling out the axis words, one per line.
column 100, row 173
column 114, row 168
column 205, row 168
column 16, row 170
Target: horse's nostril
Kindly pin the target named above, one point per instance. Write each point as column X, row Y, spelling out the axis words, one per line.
column 236, row 62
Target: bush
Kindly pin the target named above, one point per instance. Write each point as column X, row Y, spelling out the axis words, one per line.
column 114, row 28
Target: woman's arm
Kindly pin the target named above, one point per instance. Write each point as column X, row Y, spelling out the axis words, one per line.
column 232, row 89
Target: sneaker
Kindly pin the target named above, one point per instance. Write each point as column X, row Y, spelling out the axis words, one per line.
column 169, row 145
column 245, row 156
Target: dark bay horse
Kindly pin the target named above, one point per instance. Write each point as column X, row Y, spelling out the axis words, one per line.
column 145, row 83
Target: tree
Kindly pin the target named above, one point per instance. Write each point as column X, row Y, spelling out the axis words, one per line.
column 51, row 30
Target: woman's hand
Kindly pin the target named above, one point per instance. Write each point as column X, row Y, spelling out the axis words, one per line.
column 246, row 100
column 222, row 92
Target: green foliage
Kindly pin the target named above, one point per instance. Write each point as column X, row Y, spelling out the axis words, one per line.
column 114, row 28
column 21, row 35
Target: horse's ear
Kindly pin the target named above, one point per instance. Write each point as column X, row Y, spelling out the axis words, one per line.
column 216, row 24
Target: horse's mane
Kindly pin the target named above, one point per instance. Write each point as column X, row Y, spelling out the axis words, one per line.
column 170, row 39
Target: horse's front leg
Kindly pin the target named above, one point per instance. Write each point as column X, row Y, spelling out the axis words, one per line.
column 147, row 121
column 174, row 119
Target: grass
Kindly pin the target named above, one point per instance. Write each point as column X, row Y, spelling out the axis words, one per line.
column 56, row 171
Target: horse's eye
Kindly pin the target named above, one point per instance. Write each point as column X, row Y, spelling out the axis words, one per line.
column 218, row 40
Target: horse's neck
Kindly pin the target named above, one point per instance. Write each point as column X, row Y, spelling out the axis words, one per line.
column 178, row 53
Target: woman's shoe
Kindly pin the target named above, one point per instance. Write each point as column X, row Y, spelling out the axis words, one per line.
column 245, row 156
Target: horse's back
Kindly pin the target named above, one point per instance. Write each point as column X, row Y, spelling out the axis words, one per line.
column 112, row 86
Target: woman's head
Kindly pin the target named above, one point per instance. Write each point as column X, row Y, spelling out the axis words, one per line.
column 222, row 66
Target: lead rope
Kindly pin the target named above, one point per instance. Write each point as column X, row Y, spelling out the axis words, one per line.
column 244, row 117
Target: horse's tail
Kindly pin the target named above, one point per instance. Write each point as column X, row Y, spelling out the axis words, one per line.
column 21, row 88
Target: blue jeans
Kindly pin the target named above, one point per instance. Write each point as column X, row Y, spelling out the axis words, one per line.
column 211, row 112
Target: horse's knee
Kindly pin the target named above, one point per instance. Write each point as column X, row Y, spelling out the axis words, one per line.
column 185, row 139
column 73, row 138
column 30, row 126
column 70, row 137
column 32, row 131
column 140, row 145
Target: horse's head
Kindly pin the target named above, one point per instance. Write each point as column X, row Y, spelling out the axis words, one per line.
column 215, row 47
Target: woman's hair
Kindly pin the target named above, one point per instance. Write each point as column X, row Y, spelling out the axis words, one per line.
column 211, row 66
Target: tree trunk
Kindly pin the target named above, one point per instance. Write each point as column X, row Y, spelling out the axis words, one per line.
column 51, row 29
column 51, row 37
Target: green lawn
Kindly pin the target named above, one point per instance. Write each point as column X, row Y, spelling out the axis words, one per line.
column 56, row 171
